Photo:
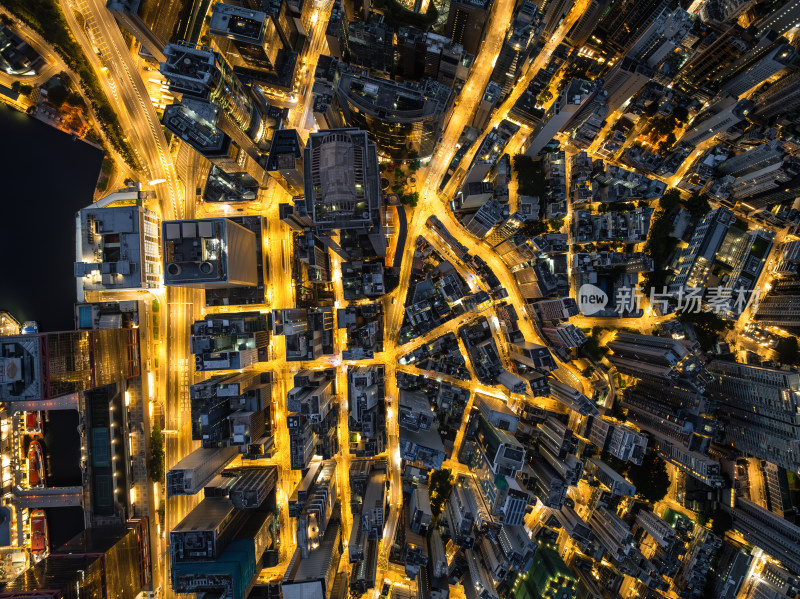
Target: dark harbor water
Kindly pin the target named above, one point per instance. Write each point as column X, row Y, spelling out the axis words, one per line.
column 45, row 177
column 63, row 523
column 62, row 449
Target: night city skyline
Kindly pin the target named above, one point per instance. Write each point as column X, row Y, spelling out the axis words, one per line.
column 400, row 299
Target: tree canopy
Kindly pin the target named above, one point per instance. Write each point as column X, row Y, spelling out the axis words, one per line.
column 670, row 199
column 650, row 479
column 155, row 463
column 533, row 228
column 440, row 485
column 410, row 199
column 698, row 205
column 788, row 352
column 721, row 522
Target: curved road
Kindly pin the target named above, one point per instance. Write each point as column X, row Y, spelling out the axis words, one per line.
column 119, row 76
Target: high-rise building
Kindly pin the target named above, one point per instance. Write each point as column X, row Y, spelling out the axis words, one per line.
column 191, row 474
column 583, row 27
column 613, row 533
column 315, row 506
column 549, row 577
column 199, row 73
column 668, row 412
column 445, row 61
column 565, row 107
column 720, row 116
column 515, row 250
column 662, row 37
column 656, row 527
column 312, row 417
column 693, row 463
column 506, row 229
column 229, row 341
column 465, row 22
column 694, row 567
column 497, row 413
column 723, row 11
column 517, row 547
column 248, row 38
column 487, row 216
column 342, row 185
column 516, row 47
column 532, row 355
column 205, row 532
column 491, row 96
column 778, row 538
column 313, row 576
column 781, row 20
column 761, row 408
column 572, row 398
column 754, row 159
column 544, row 481
column 405, row 119
column 419, row 510
column 749, row 262
column 621, row 441
column 696, row 260
column 411, row 59
column 464, row 511
column 500, row 449
column 658, row 360
column 480, row 581
column 554, row 12
column 680, row 434
column 507, row 501
column 564, row 335
column 615, row 482
column 308, row 332
column 367, row 403
column 195, row 122
column 585, row 127
column 780, row 307
column 146, row 21
column 774, row 583
column 368, row 503
column 627, row 19
column 781, row 97
column 285, row 162
column 423, row 446
column 773, row 184
column 208, row 253
column 421, row 54
column 369, row 45
column 556, row 309
column 573, row 524
column 778, row 492
column 719, row 49
column 233, row 410
column 758, row 67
